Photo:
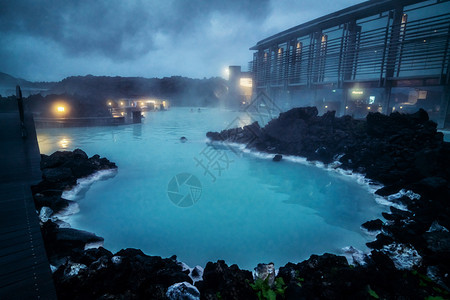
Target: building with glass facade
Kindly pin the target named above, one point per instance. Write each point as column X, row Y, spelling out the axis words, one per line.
column 379, row 55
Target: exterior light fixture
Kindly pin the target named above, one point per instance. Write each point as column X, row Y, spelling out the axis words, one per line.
column 60, row 109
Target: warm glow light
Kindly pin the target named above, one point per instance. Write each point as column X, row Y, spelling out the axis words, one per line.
column 357, row 92
column 368, row 107
column 60, row 109
column 346, row 107
column 64, row 143
column 326, row 106
column 246, row 82
column 121, row 103
column 226, row 73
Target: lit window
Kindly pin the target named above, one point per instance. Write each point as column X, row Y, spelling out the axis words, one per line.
column 357, row 92
column 324, row 41
column 246, row 82
column 403, row 24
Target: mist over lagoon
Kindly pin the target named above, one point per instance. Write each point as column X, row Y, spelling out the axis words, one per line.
column 254, row 211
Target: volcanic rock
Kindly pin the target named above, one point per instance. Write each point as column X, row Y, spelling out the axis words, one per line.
column 277, row 157
column 228, row 282
column 373, row 225
column 137, row 276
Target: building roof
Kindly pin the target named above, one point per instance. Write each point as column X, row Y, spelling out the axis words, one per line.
column 358, row 11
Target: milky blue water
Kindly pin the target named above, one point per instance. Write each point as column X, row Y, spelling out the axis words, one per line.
column 253, row 210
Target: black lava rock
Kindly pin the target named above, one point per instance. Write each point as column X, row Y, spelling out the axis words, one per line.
column 277, row 157
column 228, row 282
column 373, row 225
column 128, row 274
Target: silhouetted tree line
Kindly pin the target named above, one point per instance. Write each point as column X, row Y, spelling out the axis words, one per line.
column 79, row 106
column 180, row 91
column 88, row 95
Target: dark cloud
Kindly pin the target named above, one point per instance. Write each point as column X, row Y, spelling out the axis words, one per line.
column 116, row 29
column 50, row 39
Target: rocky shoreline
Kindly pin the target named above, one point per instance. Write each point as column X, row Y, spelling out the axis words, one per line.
column 409, row 259
column 404, row 153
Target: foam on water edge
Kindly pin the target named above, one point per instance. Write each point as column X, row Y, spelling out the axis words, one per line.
column 62, row 217
column 84, row 183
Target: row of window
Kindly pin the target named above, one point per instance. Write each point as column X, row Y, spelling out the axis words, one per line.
column 374, row 47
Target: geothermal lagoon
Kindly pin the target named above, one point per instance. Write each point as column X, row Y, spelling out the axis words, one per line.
column 243, row 207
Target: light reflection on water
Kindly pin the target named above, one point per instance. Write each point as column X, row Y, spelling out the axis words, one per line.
column 256, row 210
column 64, row 143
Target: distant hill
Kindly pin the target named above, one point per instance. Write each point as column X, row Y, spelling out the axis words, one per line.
column 96, row 90
column 8, row 85
column 8, row 80
column 178, row 90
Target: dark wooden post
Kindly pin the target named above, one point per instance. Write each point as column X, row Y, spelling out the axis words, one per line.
column 21, row 113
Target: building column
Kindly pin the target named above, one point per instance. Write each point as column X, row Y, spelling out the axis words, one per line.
column 392, row 52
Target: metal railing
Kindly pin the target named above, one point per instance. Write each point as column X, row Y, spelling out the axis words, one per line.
column 419, row 47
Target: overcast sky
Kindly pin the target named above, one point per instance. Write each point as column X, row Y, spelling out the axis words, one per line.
column 48, row 40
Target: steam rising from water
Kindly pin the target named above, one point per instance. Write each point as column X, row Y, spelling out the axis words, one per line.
column 255, row 211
